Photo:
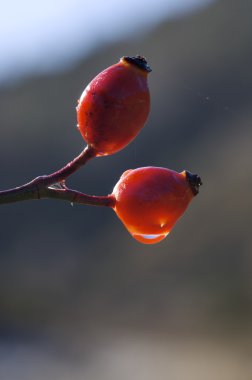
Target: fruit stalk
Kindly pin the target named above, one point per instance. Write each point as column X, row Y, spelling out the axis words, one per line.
column 53, row 186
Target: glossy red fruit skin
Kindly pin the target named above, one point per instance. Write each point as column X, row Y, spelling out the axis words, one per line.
column 114, row 107
column 150, row 200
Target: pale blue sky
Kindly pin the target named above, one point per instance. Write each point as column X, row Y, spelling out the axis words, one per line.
column 38, row 36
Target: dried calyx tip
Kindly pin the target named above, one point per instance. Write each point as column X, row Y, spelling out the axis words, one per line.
column 194, row 181
column 139, row 61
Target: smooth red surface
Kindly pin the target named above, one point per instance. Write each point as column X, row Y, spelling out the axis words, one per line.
column 114, row 107
column 150, row 200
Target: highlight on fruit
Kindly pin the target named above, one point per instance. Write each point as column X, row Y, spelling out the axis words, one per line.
column 111, row 112
column 150, row 200
column 115, row 105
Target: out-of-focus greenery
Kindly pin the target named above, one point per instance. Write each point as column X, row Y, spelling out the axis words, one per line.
column 69, row 269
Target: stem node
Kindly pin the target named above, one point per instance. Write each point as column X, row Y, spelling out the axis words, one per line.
column 53, row 186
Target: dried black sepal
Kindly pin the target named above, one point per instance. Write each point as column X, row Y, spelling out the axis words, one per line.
column 139, row 61
column 194, row 181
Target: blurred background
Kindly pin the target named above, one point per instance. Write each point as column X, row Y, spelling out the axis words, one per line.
column 79, row 298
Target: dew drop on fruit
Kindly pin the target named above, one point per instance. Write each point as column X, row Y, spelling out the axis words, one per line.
column 149, row 239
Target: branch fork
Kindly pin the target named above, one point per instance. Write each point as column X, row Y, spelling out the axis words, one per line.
column 54, row 186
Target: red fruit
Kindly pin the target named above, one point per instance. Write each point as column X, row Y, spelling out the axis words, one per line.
column 115, row 105
column 150, row 200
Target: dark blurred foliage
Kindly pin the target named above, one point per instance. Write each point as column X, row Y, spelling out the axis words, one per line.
column 71, row 270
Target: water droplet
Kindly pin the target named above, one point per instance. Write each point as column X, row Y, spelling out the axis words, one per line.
column 72, row 204
column 149, row 239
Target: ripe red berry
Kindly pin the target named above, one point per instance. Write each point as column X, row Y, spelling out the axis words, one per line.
column 115, row 105
column 150, row 200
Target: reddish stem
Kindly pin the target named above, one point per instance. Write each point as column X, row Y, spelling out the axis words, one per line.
column 74, row 196
column 62, row 174
column 53, row 186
